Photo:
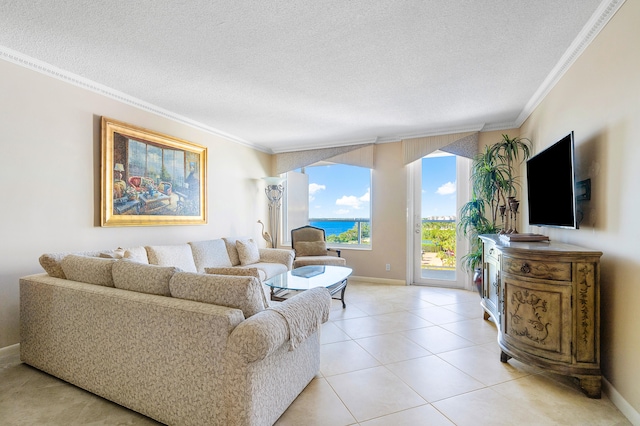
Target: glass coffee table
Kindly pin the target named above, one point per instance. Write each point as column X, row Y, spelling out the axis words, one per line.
column 334, row 278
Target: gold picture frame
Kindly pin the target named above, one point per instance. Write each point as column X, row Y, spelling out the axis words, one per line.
column 151, row 179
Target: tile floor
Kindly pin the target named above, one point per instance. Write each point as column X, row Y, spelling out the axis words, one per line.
column 395, row 356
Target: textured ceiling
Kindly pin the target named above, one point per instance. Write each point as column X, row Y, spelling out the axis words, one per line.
column 284, row 75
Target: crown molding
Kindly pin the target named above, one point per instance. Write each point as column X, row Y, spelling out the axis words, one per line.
column 41, row 67
column 589, row 32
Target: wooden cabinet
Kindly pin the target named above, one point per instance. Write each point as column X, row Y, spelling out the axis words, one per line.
column 545, row 300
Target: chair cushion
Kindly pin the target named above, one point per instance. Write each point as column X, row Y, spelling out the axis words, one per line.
column 243, row 272
column 248, row 252
column 178, row 255
column 267, row 269
column 91, row 270
column 211, row 253
column 244, row 293
column 319, row 260
column 143, row 278
column 311, row 248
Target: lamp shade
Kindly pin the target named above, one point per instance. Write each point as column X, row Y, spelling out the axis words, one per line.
column 119, row 167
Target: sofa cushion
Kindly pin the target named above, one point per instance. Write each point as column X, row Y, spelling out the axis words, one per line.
column 211, row 253
column 267, row 270
column 232, row 250
column 243, row 272
column 137, row 254
column 248, row 251
column 311, row 248
column 134, row 276
column 51, row 262
column 244, row 293
column 91, row 270
column 178, row 255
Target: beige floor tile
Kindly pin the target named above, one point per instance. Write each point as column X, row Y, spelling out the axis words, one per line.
column 438, row 315
column 483, row 365
column 358, row 328
column 337, row 312
column 486, row 407
column 388, row 348
column 378, row 307
column 468, row 310
column 374, row 392
column 343, row 357
column 433, row 378
column 477, row 330
column 317, row 405
column 566, row 405
column 330, row 333
column 423, row 415
column 436, row 339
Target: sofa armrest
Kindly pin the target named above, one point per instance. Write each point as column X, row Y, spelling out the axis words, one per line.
column 264, row 333
column 272, row 255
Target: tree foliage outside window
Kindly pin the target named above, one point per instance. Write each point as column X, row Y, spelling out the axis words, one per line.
column 440, row 237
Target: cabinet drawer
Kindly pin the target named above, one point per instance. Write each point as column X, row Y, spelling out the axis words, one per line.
column 491, row 253
column 559, row 271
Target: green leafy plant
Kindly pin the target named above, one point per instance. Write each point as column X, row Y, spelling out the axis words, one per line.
column 494, row 183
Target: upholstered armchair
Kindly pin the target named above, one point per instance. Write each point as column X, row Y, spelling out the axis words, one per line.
column 139, row 182
column 309, row 244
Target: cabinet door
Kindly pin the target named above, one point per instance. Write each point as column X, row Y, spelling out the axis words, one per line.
column 491, row 283
column 537, row 317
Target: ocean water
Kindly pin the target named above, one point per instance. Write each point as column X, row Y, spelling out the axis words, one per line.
column 333, row 227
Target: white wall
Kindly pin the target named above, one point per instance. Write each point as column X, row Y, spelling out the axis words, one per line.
column 599, row 99
column 50, row 174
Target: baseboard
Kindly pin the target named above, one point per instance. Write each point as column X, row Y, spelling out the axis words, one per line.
column 372, row 280
column 625, row 408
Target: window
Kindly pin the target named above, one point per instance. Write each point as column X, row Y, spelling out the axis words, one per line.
column 338, row 200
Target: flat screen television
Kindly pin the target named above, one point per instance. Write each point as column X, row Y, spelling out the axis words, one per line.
column 551, row 186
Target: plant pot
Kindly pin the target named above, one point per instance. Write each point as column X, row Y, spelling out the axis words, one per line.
column 477, row 280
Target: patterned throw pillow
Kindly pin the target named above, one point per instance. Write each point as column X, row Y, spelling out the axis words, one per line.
column 90, row 270
column 210, row 253
column 311, row 248
column 248, row 252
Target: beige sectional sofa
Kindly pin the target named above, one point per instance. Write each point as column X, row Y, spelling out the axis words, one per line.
column 182, row 347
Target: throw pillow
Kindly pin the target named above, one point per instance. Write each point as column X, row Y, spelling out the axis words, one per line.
column 232, row 250
column 244, row 293
column 91, row 270
column 248, row 252
column 179, row 255
column 311, row 248
column 150, row 279
column 52, row 262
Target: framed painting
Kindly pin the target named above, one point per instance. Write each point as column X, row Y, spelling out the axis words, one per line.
column 151, row 179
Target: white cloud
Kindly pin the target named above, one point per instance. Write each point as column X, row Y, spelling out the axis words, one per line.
column 354, row 202
column 447, row 189
column 366, row 197
column 314, row 187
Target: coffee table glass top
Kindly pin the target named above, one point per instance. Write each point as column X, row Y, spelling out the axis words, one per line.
column 308, row 277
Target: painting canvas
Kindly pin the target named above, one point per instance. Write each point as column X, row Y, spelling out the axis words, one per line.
column 151, row 179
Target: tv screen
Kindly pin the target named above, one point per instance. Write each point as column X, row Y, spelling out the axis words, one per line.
column 551, row 186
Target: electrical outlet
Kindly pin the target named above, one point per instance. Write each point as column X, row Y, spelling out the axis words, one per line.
column 388, row 267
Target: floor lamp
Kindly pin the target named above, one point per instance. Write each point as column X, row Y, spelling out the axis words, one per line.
column 274, row 191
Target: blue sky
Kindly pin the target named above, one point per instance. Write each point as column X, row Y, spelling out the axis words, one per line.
column 439, row 186
column 340, row 191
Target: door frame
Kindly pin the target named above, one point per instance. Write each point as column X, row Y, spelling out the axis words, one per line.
column 414, row 220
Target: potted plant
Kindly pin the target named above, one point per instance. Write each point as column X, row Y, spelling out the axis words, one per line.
column 493, row 205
